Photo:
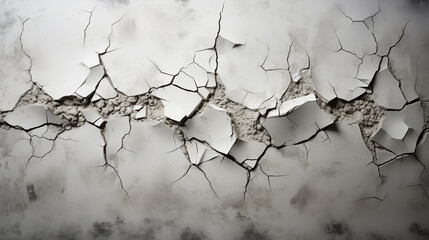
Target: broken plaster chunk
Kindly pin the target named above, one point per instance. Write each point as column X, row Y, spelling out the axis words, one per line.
column 206, row 59
column 400, row 130
column 301, row 124
column 41, row 146
column 186, row 82
column 141, row 114
column 30, row 117
column 95, row 75
column 290, row 105
column 204, row 93
column 199, row 153
column 198, row 74
column 247, row 150
column 213, row 126
column 95, row 98
column 386, row 91
column 105, row 89
column 137, row 107
column 383, row 156
column 132, row 72
column 178, row 103
column 357, row 38
column 250, row 164
column 331, row 82
column 211, row 80
column 92, row 116
column 245, row 79
column 368, row 68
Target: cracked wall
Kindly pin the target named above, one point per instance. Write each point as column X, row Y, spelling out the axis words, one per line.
column 214, row 119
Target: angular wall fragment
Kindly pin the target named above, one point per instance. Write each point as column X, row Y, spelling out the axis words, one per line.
column 92, row 116
column 242, row 72
column 178, row 103
column 30, row 117
column 126, row 79
column 141, row 113
column 247, row 151
column 301, row 124
column 368, row 68
column 401, row 129
column 105, row 89
column 289, row 105
column 199, row 153
column 386, row 91
column 332, row 82
column 213, row 126
column 92, row 80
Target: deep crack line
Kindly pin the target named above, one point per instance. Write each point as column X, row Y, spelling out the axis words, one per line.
column 87, row 25
column 107, row 164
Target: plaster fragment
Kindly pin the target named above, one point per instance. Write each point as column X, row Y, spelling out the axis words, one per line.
column 141, row 114
column 401, row 129
column 299, row 125
column 30, row 117
column 213, row 126
column 105, row 89
column 386, row 91
column 178, row 103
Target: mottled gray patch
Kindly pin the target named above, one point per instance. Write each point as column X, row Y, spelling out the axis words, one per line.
column 375, row 236
column 101, row 230
column 419, row 3
column 32, row 196
column 302, row 197
column 69, row 234
column 417, row 229
column 338, row 229
column 251, row 233
column 188, row 234
column 7, row 20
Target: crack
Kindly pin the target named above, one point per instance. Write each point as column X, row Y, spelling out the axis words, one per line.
column 380, row 200
column 123, row 137
column 246, row 186
column 270, row 175
column 50, row 150
column 270, row 69
column 110, row 35
column 23, row 22
column 345, row 50
column 208, row 180
column 186, row 172
column 107, row 164
column 87, row 25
